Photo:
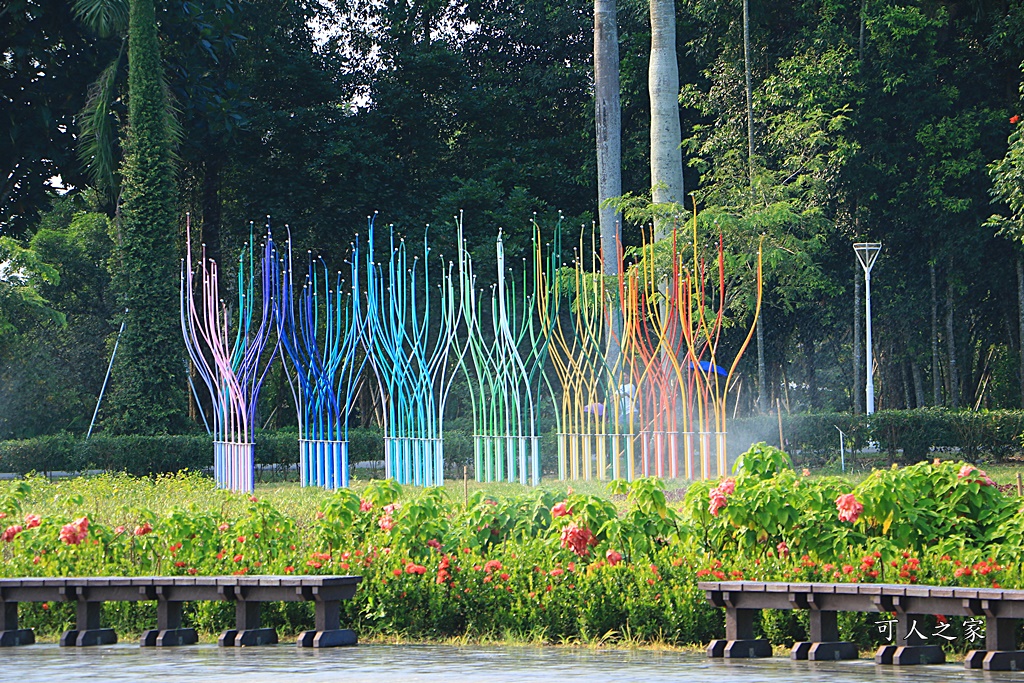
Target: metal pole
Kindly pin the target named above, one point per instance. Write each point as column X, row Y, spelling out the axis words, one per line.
column 867, row 252
column 106, row 377
column 842, row 449
column 870, row 384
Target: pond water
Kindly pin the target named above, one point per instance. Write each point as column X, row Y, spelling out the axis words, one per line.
column 440, row 664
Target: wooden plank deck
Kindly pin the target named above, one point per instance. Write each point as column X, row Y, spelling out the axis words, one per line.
column 1001, row 610
column 247, row 592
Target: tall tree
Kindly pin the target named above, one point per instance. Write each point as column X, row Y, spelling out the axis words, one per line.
column 147, row 392
column 608, row 126
column 666, row 139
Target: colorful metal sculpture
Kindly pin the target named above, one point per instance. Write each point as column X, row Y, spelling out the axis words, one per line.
column 321, row 337
column 505, row 363
column 411, row 340
column 232, row 363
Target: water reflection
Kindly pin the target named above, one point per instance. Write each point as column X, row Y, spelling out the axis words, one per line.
column 440, row 664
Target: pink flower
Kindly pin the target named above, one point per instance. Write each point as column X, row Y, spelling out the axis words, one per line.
column 783, row 549
column 75, row 532
column 32, row 521
column 386, row 522
column 577, row 538
column 144, row 529
column 717, row 501
column 224, row 527
column 119, row 530
column 391, row 507
column 968, row 470
column 613, row 557
column 365, row 505
column 727, row 486
column 10, row 532
column 849, row 508
column 559, row 510
column 434, row 543
column 557, row 572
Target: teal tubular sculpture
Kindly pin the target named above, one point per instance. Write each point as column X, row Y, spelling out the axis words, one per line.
column 505, row 366
column 321, row 334
column 411, row 341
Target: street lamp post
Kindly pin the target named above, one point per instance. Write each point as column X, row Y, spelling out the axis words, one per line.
column 867, row 252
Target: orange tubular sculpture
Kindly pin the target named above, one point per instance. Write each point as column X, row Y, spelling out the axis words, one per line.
column 656, row 406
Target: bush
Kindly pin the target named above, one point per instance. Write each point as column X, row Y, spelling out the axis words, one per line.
column 906, row 435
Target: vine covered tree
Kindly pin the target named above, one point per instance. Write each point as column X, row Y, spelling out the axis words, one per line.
column 147, row 394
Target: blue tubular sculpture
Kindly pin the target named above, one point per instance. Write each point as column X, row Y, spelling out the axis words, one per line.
column 321, row 341
column 232, row 371
column 410, row 353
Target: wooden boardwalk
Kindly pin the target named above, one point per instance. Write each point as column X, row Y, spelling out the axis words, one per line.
column 170, row 592
column 1000, row 610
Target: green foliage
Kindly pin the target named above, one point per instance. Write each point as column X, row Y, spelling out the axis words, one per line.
column 500, row 567
column 147, row 392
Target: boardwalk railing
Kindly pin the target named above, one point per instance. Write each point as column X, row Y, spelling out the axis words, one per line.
column 170, row 592
column 1001, row 610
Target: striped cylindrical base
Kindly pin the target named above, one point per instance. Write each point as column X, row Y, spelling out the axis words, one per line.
column 323, row 463
column 233, row 465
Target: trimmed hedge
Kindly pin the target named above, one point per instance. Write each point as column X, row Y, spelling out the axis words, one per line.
column 146, row 455
column 904, row 435
column 811, row 438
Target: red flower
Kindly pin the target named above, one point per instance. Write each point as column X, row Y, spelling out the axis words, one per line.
column 613, row 557
column 174, row 547
column 75, row 532
column 559, row 510
column 10, row 532
column 983, row 478
column 577, row 538
column 237, row 558
column 179, row 564
column 717, row 501
column 849, row 508
column 241, row 539
column 434, row 543
column 1014, row 119
column 503, row 576
column 32, row 521
column 491, row 566
column 289, row 569
column 557, row 572
column 144, row 529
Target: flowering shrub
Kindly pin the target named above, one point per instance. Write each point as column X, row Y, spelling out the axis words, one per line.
column 552, row 563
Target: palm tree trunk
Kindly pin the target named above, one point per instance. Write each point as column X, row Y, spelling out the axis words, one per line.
column 954, row 371
column 663, row 84
column 936, row 378
column 1020, row 320
column 750, row 92
column 608, row 123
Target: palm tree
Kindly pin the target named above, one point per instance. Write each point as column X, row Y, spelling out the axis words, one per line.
column 608, row 122
column 666, row 139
